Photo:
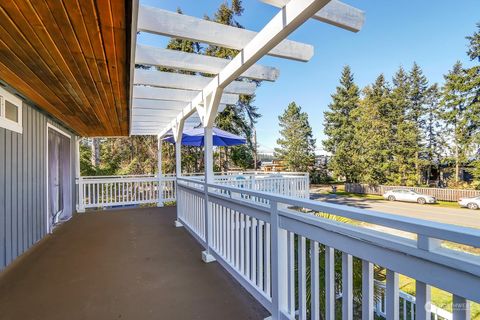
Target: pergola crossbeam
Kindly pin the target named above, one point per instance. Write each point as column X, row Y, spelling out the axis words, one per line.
column 153, row 93
column 175, row 25
column 335, row 13
column 187, row 82
column 153, row 56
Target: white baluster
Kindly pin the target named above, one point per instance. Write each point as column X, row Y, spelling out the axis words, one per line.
column 347, row 287
column 314, row 281
column 329, row 283
column 392, row 296
column 367, row 290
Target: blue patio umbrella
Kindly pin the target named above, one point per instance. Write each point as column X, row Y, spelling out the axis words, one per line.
column 195, row 138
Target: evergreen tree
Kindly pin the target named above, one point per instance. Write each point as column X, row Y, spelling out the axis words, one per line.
column 296, row 145
column 455, row 115
column 434, row 140
column 473, row 93
column 403, row 133
column 339, row 128
column 373, row 127
column 417, row 108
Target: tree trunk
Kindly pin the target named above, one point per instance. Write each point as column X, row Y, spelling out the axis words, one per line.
column 255, row 154
column 457, row 164
column 95, row 159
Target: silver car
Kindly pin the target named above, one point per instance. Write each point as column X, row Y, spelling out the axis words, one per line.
column 470, row 203
column 408, row 196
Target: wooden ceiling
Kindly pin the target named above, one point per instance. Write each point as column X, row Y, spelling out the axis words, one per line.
column 71, row 58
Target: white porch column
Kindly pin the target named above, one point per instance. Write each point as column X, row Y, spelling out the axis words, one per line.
column 160, row 173
column 209, row 178
column 177, row 135
column 78, row 178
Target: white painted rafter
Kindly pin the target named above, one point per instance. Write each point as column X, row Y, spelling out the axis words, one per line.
column 153, row 56
column 154, row 93
column 187, row 82
column 175, row 25
column 335, row 13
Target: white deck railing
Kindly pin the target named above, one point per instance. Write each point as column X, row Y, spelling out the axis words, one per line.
column 266, row 246
column 112, row 191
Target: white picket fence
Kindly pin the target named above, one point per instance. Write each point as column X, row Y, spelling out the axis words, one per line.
column 266, row 246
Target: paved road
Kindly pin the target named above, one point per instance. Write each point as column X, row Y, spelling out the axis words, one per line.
column 460, row 216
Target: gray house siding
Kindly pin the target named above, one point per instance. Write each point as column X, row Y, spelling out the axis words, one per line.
column 23, row 185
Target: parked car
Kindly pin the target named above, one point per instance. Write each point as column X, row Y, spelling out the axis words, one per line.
column 470, row 203
column 409, row 196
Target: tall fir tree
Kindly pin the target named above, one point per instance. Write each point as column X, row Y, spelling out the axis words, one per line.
column 296, row 145
column 403, row 133
column 473, row 93
column 454, row 114
column 339, row 128
column 373, row 128
column 417, row 106
column 434, row 137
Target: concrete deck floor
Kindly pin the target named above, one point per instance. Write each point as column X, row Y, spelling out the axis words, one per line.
column 122, row 264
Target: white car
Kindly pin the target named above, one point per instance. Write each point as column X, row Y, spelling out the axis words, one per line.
column 409, row 196
column 470, row 203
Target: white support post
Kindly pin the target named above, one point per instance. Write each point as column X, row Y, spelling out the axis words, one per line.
column 160, row 173
column 208, row 155
column 81, row 200
column 279, row 269
column 177, row 135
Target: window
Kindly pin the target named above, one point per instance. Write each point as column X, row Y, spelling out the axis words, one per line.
column 10, row 111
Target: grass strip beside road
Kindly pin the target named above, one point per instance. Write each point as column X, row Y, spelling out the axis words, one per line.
column 444, row 204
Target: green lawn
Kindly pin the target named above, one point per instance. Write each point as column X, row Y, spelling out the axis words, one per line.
column 440, row 298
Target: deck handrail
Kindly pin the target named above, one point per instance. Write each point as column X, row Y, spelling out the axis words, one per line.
column 235, row 220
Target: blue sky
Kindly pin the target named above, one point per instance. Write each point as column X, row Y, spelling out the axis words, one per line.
column 395, row 33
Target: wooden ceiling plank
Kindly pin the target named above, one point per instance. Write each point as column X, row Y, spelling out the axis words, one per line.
column 38, row 63
column 52, row 39
column 37, row 98
column 12, row 62
column 105, row 17
column 59, row 58
column 120, row 23
column 60, row 15
column 87, row 42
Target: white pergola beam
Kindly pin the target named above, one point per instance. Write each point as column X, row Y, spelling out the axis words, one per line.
column 175, row 25
column 155, row 93
column 158, row 104
column 290, row 17
column 162, row 114
column 335, row 13
column 153, row 56
column 187, row 82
